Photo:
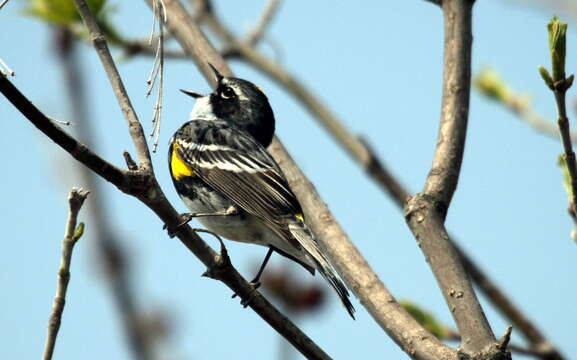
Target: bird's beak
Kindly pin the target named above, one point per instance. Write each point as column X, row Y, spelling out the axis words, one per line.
column 218, row 76
column 192, row 93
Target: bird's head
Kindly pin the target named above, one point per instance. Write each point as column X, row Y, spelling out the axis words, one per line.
column 239, row 102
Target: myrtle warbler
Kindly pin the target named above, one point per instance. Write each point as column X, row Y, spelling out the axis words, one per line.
column 223, row 173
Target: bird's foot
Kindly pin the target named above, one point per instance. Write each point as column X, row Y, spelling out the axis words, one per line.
column 245, row 302
column 184, row 219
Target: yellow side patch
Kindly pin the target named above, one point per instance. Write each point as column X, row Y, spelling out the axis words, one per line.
column 300, row 217
column 178, row 167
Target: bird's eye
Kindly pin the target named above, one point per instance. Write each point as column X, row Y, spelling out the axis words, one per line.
column 227, row 93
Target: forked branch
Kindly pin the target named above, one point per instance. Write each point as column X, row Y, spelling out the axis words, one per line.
column 412, row 338
column 425, row 212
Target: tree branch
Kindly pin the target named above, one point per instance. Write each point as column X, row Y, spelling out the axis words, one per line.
column 425, row 212
column 559, row 84
column 79, row 151
column 134, row 127
column 412, row 338
column 111, row 255
column 71, row 235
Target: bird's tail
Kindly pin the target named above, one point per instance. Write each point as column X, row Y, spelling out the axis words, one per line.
column 305, row 237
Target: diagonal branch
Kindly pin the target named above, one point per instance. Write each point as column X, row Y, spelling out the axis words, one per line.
column 78, row 150
column 412, row 338
column 134, row 127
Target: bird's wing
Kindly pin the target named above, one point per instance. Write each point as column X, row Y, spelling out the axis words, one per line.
column 233, row 163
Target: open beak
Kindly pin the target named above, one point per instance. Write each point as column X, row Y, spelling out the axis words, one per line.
column 192, row 93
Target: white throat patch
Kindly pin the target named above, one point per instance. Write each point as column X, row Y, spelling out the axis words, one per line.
column 202, row 109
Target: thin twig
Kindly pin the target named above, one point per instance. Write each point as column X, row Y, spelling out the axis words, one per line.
column 134, row 126
column 61, row 122
column 559, row 83
column 490, row 84
column 71, row 235
column 157, row 73
column 569, row 155
column 542, row 125
column 141, row 47
column 412, row 338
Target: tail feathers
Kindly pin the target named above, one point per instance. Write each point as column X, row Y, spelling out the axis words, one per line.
column 337, row 284
column 306, row 239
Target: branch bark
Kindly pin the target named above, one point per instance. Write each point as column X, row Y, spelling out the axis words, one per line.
column 404, row 330
column 563, row 122
column 425, row 212
column 71, row 235
column 134, row 127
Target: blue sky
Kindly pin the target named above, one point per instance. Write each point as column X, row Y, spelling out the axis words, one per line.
column 378, row 66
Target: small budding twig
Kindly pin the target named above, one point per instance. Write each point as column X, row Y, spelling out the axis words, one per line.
column 491, row 85
column 71, row 236
column 559, row 84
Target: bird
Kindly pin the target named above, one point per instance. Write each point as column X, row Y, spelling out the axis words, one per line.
column 223, row 173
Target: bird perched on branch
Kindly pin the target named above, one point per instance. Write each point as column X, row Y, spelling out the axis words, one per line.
column 223, row 173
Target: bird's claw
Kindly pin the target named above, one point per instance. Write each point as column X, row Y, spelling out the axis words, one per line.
column 246, row 302
column 184, row 219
